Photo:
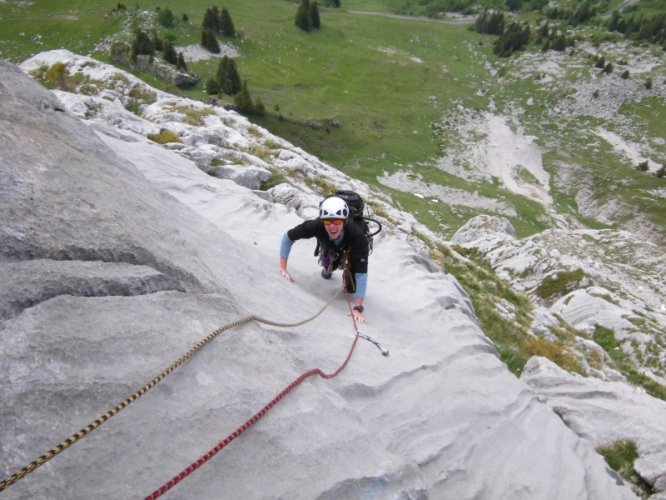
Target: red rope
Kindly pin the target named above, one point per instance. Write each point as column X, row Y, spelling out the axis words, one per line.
column 204, row 458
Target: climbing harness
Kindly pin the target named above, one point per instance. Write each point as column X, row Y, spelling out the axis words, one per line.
column 41, row 460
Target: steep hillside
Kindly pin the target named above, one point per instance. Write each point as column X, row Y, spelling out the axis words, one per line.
column 422, row 108
column 134, row 254
column 532, row 179
column 101, row 206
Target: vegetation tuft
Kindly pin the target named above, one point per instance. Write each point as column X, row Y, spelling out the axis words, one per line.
column 605, row 337
column 487, row 292
column 559, row 284
column 164, row 136
column 620, row 456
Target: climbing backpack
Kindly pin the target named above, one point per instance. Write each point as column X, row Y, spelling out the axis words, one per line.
column 357, row 208
column 353, row 201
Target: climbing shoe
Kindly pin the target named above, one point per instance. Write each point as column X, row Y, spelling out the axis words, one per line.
column 326, row 274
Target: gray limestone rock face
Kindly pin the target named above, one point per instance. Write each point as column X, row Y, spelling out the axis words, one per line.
column 65, row 196
column 605, row 413
column 122, row 265
column 482, row 226
column 29, row 282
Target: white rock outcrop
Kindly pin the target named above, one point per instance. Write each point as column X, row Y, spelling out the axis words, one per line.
column 102, row 208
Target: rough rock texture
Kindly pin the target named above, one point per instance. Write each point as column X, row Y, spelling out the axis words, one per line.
column 623, row 291
column 485, row 226
column 622, row 287
column 606, row 412
column 110, row 213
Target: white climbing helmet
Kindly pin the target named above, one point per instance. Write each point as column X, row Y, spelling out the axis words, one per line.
column 333, row 208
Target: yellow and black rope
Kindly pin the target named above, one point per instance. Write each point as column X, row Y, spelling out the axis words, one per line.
column 5, row 483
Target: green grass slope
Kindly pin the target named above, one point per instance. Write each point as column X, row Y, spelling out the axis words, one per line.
column 376, row 87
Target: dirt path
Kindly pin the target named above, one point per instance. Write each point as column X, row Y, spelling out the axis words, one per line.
column 465, row 20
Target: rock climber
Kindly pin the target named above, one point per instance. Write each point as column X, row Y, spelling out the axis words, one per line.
column 338, row 239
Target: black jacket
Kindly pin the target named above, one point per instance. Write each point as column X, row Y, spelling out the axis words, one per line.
column 353, row 238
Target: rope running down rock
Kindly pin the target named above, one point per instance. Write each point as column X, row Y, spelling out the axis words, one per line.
column 41, row 460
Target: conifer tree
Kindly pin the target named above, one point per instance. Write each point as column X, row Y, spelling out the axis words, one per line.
column 165, row 17
column 227, row 76
column 212, row 19
column 141, row 45
column 226, row 24
column 243, row 101
column 170, row 55
column 542, row 31
column 212, row 86
column 513, row 39
column 614, row 21
column 216, row 19
column 180, row 64
column 559, row 42
column 490, row 23
column 157, row 41
column 208, row 19
column 259, row 108
column 303, row 19
column 209, row 41
column 314, row 15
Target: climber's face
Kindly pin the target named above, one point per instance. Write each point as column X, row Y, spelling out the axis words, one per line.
column 333, row 227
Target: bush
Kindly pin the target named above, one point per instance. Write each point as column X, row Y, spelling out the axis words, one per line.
column 165, row 17
column 605, row 337
column 164, row 136
column 642, row 166
column 141, row 94
column 56, row 77
column 620, row 456
column 536, row 346
column 212, row 87
column 560, row 283
column 120, row 52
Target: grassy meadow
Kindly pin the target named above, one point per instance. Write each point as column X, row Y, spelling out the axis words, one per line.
column 376, row 83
